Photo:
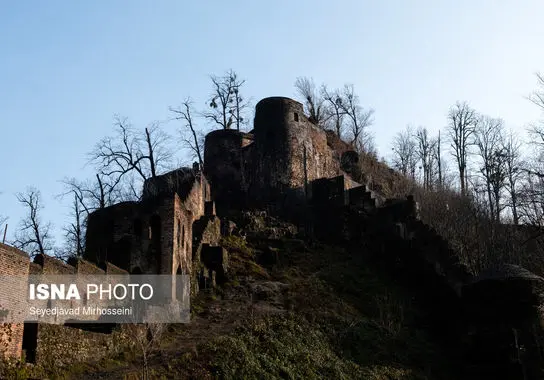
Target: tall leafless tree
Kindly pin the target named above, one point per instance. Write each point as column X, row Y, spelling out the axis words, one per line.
column 537, row 97
column 404, row 152
column 514, row 171
column 3, row 227
column 74, row 232
column 532, row 190
column 359, row 118
column 34, row 235
column 531, row 196
column 438, row 159
column 87, row 196
column 131, row 154
column 488, row 135
column 462, row 119
column 313, row 100
column 334, row 113
column 424, row 150
column 191, row 137
column 226, row 104
column 91, row 194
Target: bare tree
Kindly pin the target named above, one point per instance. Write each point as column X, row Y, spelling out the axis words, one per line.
column 313, row 100
column 462, row 119
column 146, row 338
column 190, row 136
column 437, row 153
column 488, row 139
column 514, row 171
column 92, row 194
column 3, row 227
column 75, row 231
column 537, row 97
column 34, row 235
column 531, row 194
column 226, row 102
column 334, row 113
column 359, row 118
column 404, row 152
column 424, row 150
column 532, row 190
column 129, row 152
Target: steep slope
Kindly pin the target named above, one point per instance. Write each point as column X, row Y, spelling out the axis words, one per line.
column 294, row 309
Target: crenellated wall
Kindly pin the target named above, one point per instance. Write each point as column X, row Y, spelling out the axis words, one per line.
column 45, row 343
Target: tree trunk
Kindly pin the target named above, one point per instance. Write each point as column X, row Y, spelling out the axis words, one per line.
column 150, row 153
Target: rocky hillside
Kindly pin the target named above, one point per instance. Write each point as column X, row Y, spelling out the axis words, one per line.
column 291, row 309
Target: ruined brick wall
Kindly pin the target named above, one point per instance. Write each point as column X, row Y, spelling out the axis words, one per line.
column 61, row 345
column 13, row 262
column 57, row 345
column 45, row 342
column 116, row 231
column 51, row 265
column 154, row 235
column 129, row 235
column 181, row 241
column 311, row 156
column 186, row 211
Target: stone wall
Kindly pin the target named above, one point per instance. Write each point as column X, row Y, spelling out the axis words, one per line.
column 494, row 320
column 206, row 233
column 154, row 235
column 13, row 262
column 59, row 345
column 46, row 343
column 225, row 157
column 284, row 152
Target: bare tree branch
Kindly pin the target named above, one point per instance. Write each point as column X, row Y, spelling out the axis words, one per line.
column 488, row 138
column 514, row 171
column 404, row 152
column 130, row 151
column 34, row 236
column 334, row 113
column 313, row 100
column 537, row 97
column 189, row 134
column 359, row 118
column 3, row 226
column 424, row 150
column 226, row 103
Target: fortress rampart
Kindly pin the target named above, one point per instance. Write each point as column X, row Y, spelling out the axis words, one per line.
column 287, row 163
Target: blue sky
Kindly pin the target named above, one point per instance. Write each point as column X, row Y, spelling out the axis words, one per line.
column 67, row 67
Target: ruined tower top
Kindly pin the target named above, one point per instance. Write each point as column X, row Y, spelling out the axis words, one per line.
column 277, row 112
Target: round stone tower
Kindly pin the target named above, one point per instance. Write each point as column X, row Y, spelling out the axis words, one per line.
column 224, row 166
column 273, row 131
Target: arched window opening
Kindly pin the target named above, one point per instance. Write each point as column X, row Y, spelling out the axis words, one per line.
column 296, row 116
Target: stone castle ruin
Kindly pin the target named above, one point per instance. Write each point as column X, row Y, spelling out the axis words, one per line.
column 290, row 167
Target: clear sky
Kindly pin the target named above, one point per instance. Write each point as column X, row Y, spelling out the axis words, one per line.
column 66, row 67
